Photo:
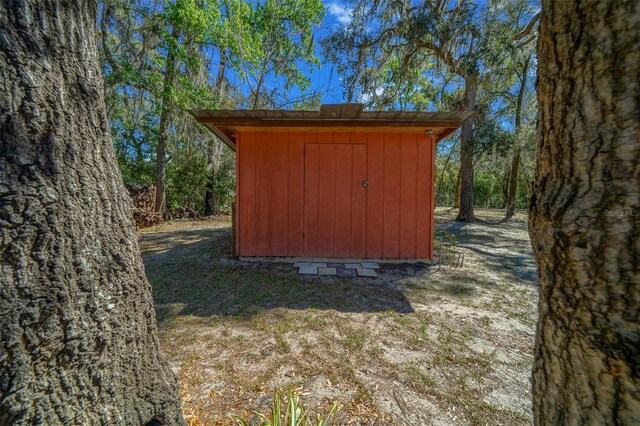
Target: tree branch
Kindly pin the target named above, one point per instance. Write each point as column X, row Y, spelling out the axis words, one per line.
column 445, row 57
column 531, row 38
column 527, row 30
column 105, row 48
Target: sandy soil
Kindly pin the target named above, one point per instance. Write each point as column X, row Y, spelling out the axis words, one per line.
column 420, row 345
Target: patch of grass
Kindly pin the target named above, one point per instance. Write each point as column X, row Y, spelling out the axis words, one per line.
column 419, row 338
column 355, row 339
column 446, row 336
column 469, row 332
column 488, row 305
column 344, row 369
column 403, row 320
column 314, row 321
column 445, row 354
column 519, row 416
column 375, row 351
column 457, row 289
column 196, row 380
column 260, row 322
column 419, row 378
column 283, row 345
column 286, row 324
column 237, row 324
column 307, row 346
column 515, row 415
column 485, row 321
column 189, row 358
column 239, row 339
column 476, row 362
column 527, row 317
column 400, row 319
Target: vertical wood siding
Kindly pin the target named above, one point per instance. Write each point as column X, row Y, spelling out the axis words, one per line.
column 392, row 218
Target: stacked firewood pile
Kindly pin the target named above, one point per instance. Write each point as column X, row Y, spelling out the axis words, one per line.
column 184, row 213
column 144, row 204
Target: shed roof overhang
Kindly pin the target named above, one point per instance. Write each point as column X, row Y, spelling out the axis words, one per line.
column 226, row 124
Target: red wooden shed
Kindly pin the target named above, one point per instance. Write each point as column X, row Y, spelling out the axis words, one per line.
column 337, row 183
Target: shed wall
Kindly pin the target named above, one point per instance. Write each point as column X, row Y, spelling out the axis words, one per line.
column 270, row 202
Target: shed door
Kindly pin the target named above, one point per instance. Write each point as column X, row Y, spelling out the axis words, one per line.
column 335, row 200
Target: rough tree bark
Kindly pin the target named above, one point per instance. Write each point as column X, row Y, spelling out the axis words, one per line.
column 78, row 333
column 456, row 195
column 466, row 213
column 584, row 221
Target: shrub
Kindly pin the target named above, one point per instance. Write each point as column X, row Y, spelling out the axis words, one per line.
column 294, row 414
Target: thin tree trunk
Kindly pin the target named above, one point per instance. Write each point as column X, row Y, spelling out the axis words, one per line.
column 163, row 128
column 219, row 85
column 505, row 184
column 584, row 222
column 210, row 206
column 513, row 185
column 465, row 213
column 515, row 162
column 444, row 169
column 79, row 341
column 256, row 99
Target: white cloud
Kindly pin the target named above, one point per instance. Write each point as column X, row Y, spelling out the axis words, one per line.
column 366, row 97
column 340, row 12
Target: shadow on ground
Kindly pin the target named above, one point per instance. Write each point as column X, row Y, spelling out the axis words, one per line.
column 405, row 348
column 498, row 248
column 192, row 273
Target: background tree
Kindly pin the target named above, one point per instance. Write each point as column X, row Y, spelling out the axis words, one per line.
column 392, row 47
column 584, row 222
column 513, row 85
column 79, row 340
column 162, row 58
column 518, row 102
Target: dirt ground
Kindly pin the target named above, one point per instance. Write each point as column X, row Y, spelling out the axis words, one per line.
column 420, row 345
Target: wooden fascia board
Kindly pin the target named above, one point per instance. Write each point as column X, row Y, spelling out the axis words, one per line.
column 279, row 122
column 223, row 137
column 446, row 133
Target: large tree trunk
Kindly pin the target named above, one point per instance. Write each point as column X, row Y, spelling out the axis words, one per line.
column 466, row 214
column 79, row 340
column 584, row 221
column 456, row 194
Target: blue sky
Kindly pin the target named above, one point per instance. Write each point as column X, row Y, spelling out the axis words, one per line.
column 326, row 79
